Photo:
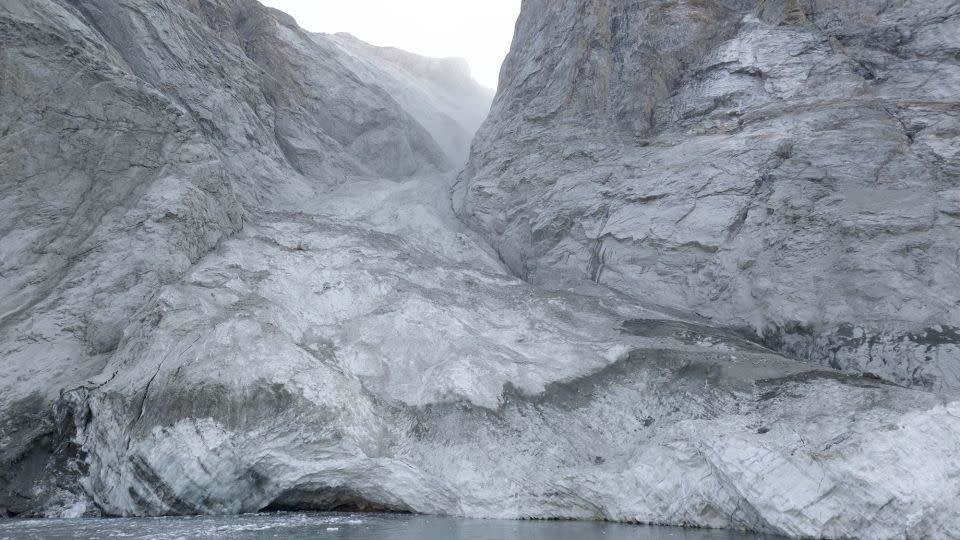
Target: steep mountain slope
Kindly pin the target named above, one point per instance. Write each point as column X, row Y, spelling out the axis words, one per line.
column 437, row 92
column 232, row 298
column 135, row 137
column 251, row 77
column 791, row 167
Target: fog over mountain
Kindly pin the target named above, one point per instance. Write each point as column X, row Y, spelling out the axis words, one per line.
column 698, row 266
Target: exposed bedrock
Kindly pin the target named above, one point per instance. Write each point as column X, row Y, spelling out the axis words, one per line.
column 233, row 278
column 135, row 136
column 788, row 167
column 309, row 365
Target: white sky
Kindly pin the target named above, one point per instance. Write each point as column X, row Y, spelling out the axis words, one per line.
column 481, row 32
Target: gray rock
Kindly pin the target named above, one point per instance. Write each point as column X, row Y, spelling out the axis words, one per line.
column 233, row 278
column 134, row 137
column 316, row 362
column 790, row 167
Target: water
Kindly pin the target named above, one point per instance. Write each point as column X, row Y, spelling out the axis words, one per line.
column 344, row 527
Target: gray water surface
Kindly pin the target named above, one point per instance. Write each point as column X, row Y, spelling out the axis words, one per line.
column 345, row 527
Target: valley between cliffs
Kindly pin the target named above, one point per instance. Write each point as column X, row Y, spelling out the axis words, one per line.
column 699, row 267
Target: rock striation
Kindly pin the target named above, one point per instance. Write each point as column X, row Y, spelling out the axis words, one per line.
column 235, row 276
column 789, row 167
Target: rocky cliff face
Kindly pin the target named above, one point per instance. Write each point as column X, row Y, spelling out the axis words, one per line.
column 136, row 136
column 234, row 279
column 788, row 167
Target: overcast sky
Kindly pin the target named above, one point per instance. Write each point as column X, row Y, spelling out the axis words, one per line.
column 481, row 32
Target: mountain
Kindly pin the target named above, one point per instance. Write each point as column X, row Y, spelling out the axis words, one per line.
column 240, row 270
column 137, row 136
column 438, row 93
column 787, row 167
